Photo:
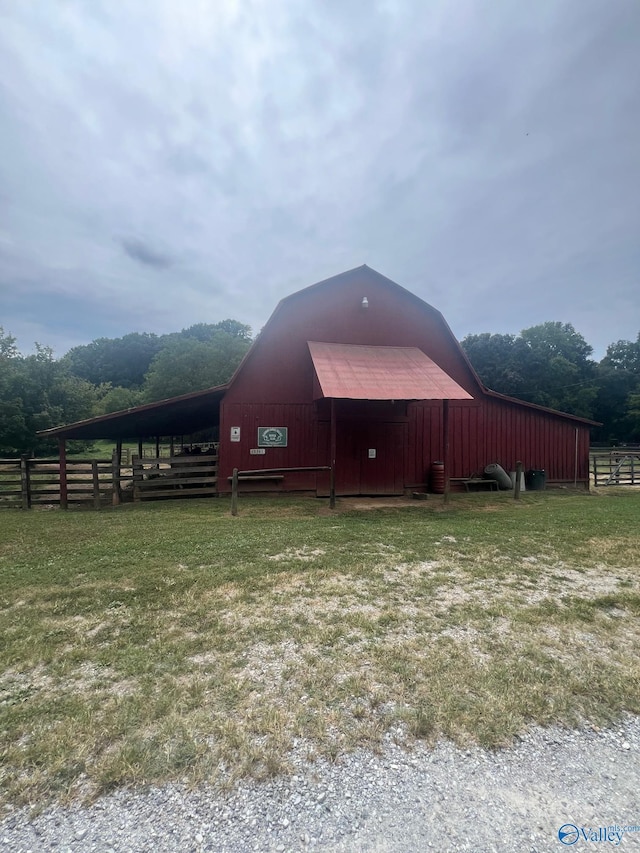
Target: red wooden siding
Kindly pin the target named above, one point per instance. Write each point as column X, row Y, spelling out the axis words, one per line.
column 480, row 433
column 275, row 387
column 495, row 431
column 537, row 439
column 300, row 450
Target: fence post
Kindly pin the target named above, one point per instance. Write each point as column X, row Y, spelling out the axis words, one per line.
column 234, row 492
column 62, row 446
column 137, row 476
column 516, row 487
column 25, row 484
column 96, row 483
column 115, row 477
column 595, row 470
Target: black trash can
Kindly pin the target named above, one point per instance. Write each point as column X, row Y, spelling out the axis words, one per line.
column 535, row 479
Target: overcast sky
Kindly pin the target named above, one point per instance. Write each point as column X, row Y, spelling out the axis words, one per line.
column 171, row 162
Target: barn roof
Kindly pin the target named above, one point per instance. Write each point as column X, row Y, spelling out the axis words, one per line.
column 182, row 415
column 348, row 371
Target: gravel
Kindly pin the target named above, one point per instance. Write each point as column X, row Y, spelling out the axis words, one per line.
column 405, row 799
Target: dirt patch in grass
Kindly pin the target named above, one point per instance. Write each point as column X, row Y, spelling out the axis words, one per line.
column 235, row 643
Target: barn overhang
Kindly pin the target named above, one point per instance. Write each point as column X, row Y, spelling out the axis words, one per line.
column 183, row 415
column 349, row 371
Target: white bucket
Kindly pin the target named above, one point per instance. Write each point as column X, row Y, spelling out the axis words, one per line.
column 512, row 475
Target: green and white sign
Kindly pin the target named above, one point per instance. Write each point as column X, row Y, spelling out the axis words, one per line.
column 273, row 436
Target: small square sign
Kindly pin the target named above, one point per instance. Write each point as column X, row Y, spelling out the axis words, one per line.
column 273, row 436
column 235, row 434
column 372, row 453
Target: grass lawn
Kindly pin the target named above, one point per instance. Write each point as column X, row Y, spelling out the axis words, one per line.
column 171, row 641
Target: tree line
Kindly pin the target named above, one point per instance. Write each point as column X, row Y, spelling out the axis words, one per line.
column 38, row 392
column 550, row 364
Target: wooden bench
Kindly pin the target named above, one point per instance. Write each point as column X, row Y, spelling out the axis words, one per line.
column 475, row 481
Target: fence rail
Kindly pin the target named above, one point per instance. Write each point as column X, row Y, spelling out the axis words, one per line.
column 174, row 476
column 28, row 482
column 11, row 483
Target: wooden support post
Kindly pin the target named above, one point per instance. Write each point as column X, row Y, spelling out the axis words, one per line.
column 62, row 449
column 234, row 492
column 157, row 450
column 136, row 464
column 25, row 484
column 445, row 454
column 595, row 470
column 332, row 473
column 171, row 448
column 96, row 483
column 140, row 454
column 115, row 475
column 516, row 485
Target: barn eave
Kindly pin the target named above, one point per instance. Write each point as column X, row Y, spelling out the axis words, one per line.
column 182, row 415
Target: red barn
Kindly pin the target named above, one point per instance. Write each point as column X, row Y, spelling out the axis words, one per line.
column 359, row 371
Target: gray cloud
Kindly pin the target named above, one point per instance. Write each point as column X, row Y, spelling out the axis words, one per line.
column 485, row 157
column 139, row 251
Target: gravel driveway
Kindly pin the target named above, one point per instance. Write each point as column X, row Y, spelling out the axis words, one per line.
column 404, row 800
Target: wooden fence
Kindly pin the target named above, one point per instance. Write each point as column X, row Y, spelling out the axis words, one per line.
column 616, row 468
column 28, row 482
column 174, row 476
column 25, row 482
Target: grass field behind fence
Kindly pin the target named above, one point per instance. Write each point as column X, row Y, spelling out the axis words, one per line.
column 171, row 641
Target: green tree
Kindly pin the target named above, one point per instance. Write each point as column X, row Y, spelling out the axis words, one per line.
column 13, row 426
column 36, row 393
column 548, row 364
column 189, row 364
column 618, row 381
column 116, row 399
column 119, row 361
column 208, row 331
column 633, row 415
column 8, row 347
column 494, row 359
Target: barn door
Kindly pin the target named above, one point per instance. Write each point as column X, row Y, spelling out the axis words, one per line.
column 369, row 457
column 382, row 459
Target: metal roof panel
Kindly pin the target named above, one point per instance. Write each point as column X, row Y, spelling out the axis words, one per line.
column 348, row 371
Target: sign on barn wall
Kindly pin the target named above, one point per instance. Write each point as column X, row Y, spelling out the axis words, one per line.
column 273, row 436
